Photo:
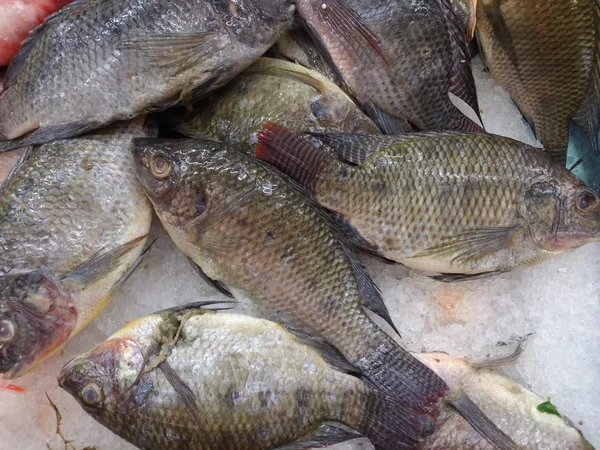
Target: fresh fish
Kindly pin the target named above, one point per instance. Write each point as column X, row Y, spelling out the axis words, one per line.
column 271, row 89
column 97, row 61
column 205, row 380
column 296, row 45
column 532, row 422
column 17, row 19
column 399, row 58
column 449, row 203
column 258, row 237
column 73, row 222
column 547, row 56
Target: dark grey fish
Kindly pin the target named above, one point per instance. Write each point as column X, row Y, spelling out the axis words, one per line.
column 98, row 61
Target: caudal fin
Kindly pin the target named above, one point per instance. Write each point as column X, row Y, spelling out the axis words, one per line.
column 420, row 391
column 294, row 156
column 388, row 425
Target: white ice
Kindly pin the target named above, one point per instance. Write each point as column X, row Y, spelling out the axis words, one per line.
column 558, row 302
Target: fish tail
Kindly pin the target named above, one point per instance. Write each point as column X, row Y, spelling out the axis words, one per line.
column 387, row 424
column 399, row 374
column 294, row 156
column 418, row 390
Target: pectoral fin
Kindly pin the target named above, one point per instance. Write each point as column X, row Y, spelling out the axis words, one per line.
column 387, row 123
column 183, row 391
column 324, row 436
column 471, row 245
column 215, row 284
column 102, row 263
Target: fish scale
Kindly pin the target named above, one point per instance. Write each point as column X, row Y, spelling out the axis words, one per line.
column 448, row 203
column 547, row 69
column 254, row 385
column 420, row 59
column 98, row 61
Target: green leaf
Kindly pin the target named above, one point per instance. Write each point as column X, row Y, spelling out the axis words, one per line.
column 548, row 408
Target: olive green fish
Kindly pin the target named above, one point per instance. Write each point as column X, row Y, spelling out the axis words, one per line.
column 532, row 422
column 271, row 89
column 73, row 222
column 399, row 58
column 98, row 61
column 449, row 203
column 198, row 379
column 257, row 236
column 546, row 54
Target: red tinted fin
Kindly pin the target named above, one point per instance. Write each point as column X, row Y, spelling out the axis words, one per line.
column 294, row 156
column 14, row 387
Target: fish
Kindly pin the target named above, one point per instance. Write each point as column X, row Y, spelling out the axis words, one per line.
column 18, row 18
column 73, row 224
column 532, row 422
column 297, row 46
column 449, row 203
column 258, row 237
column 7, row 162
column 400, row 59
column 547, row 57
column 98, row 61
column 198, row 378
column 271, row 89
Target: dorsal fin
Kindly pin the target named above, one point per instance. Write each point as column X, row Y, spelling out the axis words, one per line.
column 327, row 351
column 12, row 74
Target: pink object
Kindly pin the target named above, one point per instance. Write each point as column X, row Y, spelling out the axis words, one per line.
column 18, row 18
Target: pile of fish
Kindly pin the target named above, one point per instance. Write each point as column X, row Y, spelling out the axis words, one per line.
column 275, row 140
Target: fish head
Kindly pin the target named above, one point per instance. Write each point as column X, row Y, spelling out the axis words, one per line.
column 255, row 22
column 36, row 319
column 563, row 214
column 102, row 379
column 179, row 177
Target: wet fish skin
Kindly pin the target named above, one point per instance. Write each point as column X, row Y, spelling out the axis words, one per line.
column 447, row 203
column 73, row 221
column 505, row 402
column 543, row 55
column 413, row 54
column 271, row 89
column 254, row 385
column 259, row 237
column 102, row 61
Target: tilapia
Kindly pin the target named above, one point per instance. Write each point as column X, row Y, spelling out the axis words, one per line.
column 259, row 238
column 399, row 58
column 98, row 61
column 199, row 379
column 532, row 422
column 73, row 221
column 449, row 203
column 18, row 18
column 547, row 56
column 271, row 89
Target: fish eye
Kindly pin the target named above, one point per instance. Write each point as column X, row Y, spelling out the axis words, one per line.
column 92, row 395
column 7, row 331
column 586, row 200
column 160, row 167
